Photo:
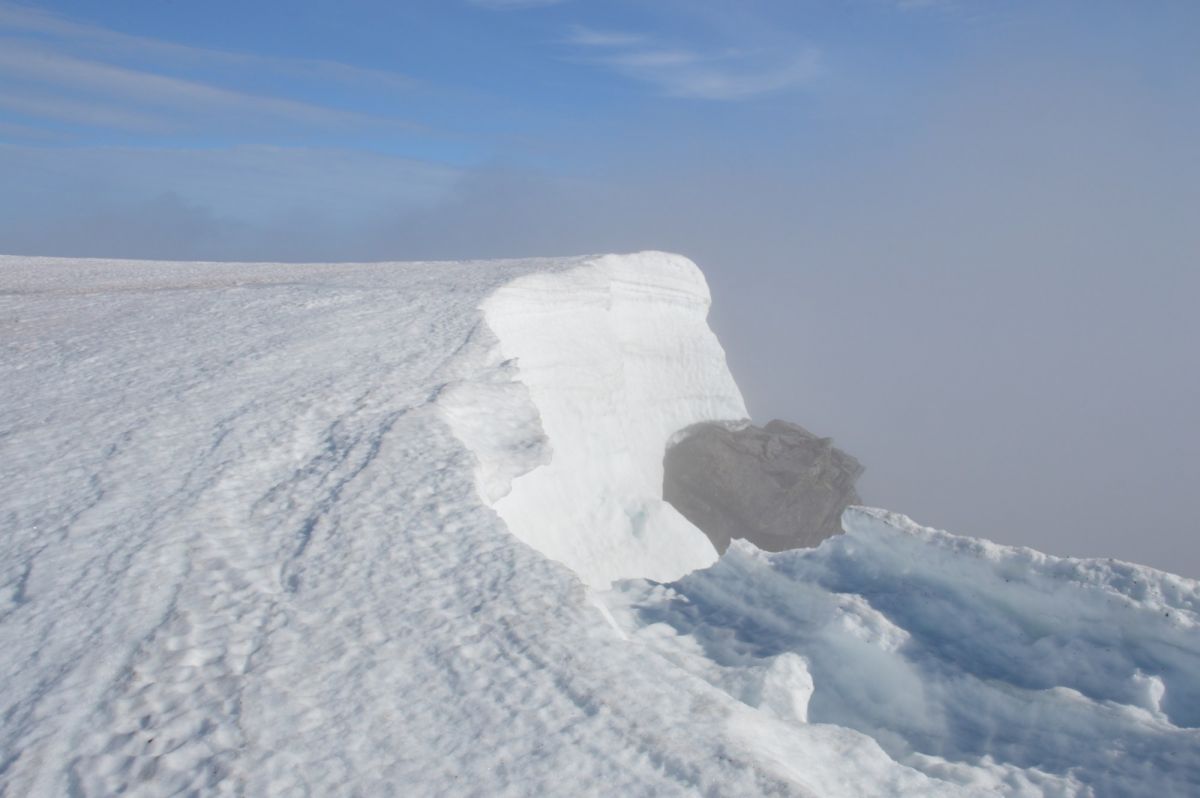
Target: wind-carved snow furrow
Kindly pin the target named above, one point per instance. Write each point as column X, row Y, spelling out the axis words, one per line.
column 322, row 509
column 171, row 717
column 175, row 717
column 101, row 579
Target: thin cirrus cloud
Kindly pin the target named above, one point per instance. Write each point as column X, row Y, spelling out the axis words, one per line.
column 13, row 130
column 146, row 91
column 57, row 71
column 104, row 43
column 76, row 112
column 717, row 74
column 512, row 5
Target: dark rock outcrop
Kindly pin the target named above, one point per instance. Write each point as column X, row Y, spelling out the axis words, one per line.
column 779, row 486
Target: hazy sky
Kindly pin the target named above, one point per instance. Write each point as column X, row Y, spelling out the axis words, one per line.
column 962, row 237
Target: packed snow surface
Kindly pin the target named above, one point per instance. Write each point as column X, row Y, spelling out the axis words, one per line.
column 390, row 529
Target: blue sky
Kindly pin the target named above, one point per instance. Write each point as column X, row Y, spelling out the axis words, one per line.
column 436, row 89
column 263, row 113
column 141, row 101
column 957, row 235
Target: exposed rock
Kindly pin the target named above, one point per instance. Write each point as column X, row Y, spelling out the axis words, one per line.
column 779, row 487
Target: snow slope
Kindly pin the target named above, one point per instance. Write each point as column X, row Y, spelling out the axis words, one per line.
column 383, row 529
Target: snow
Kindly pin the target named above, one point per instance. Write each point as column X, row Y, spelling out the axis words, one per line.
column 376, row 529
column 990, row 666
column 617, row 358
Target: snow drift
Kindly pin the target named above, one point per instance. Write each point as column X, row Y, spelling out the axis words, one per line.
column 616, row 357
column 389, row 529
column 991, row 666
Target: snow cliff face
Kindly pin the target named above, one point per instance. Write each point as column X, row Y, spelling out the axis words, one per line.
column 616, row 356
column 372, row 529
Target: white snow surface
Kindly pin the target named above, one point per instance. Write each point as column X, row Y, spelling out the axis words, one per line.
column 617, row 358
column 390, row 529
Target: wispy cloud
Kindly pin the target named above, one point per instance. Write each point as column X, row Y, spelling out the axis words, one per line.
column 713, row 74
column 512, row 5
column 591, row 37
column 14, row 131
column 80, row 112
column 47, row 27
column 57, row 70
column 149, row 90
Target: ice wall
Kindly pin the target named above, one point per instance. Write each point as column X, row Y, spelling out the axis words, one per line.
column 616, row 356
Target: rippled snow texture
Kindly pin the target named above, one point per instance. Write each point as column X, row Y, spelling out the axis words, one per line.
column 248, row 547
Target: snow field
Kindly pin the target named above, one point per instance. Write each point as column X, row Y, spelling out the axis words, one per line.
column 387, row 529
column 244, row 554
